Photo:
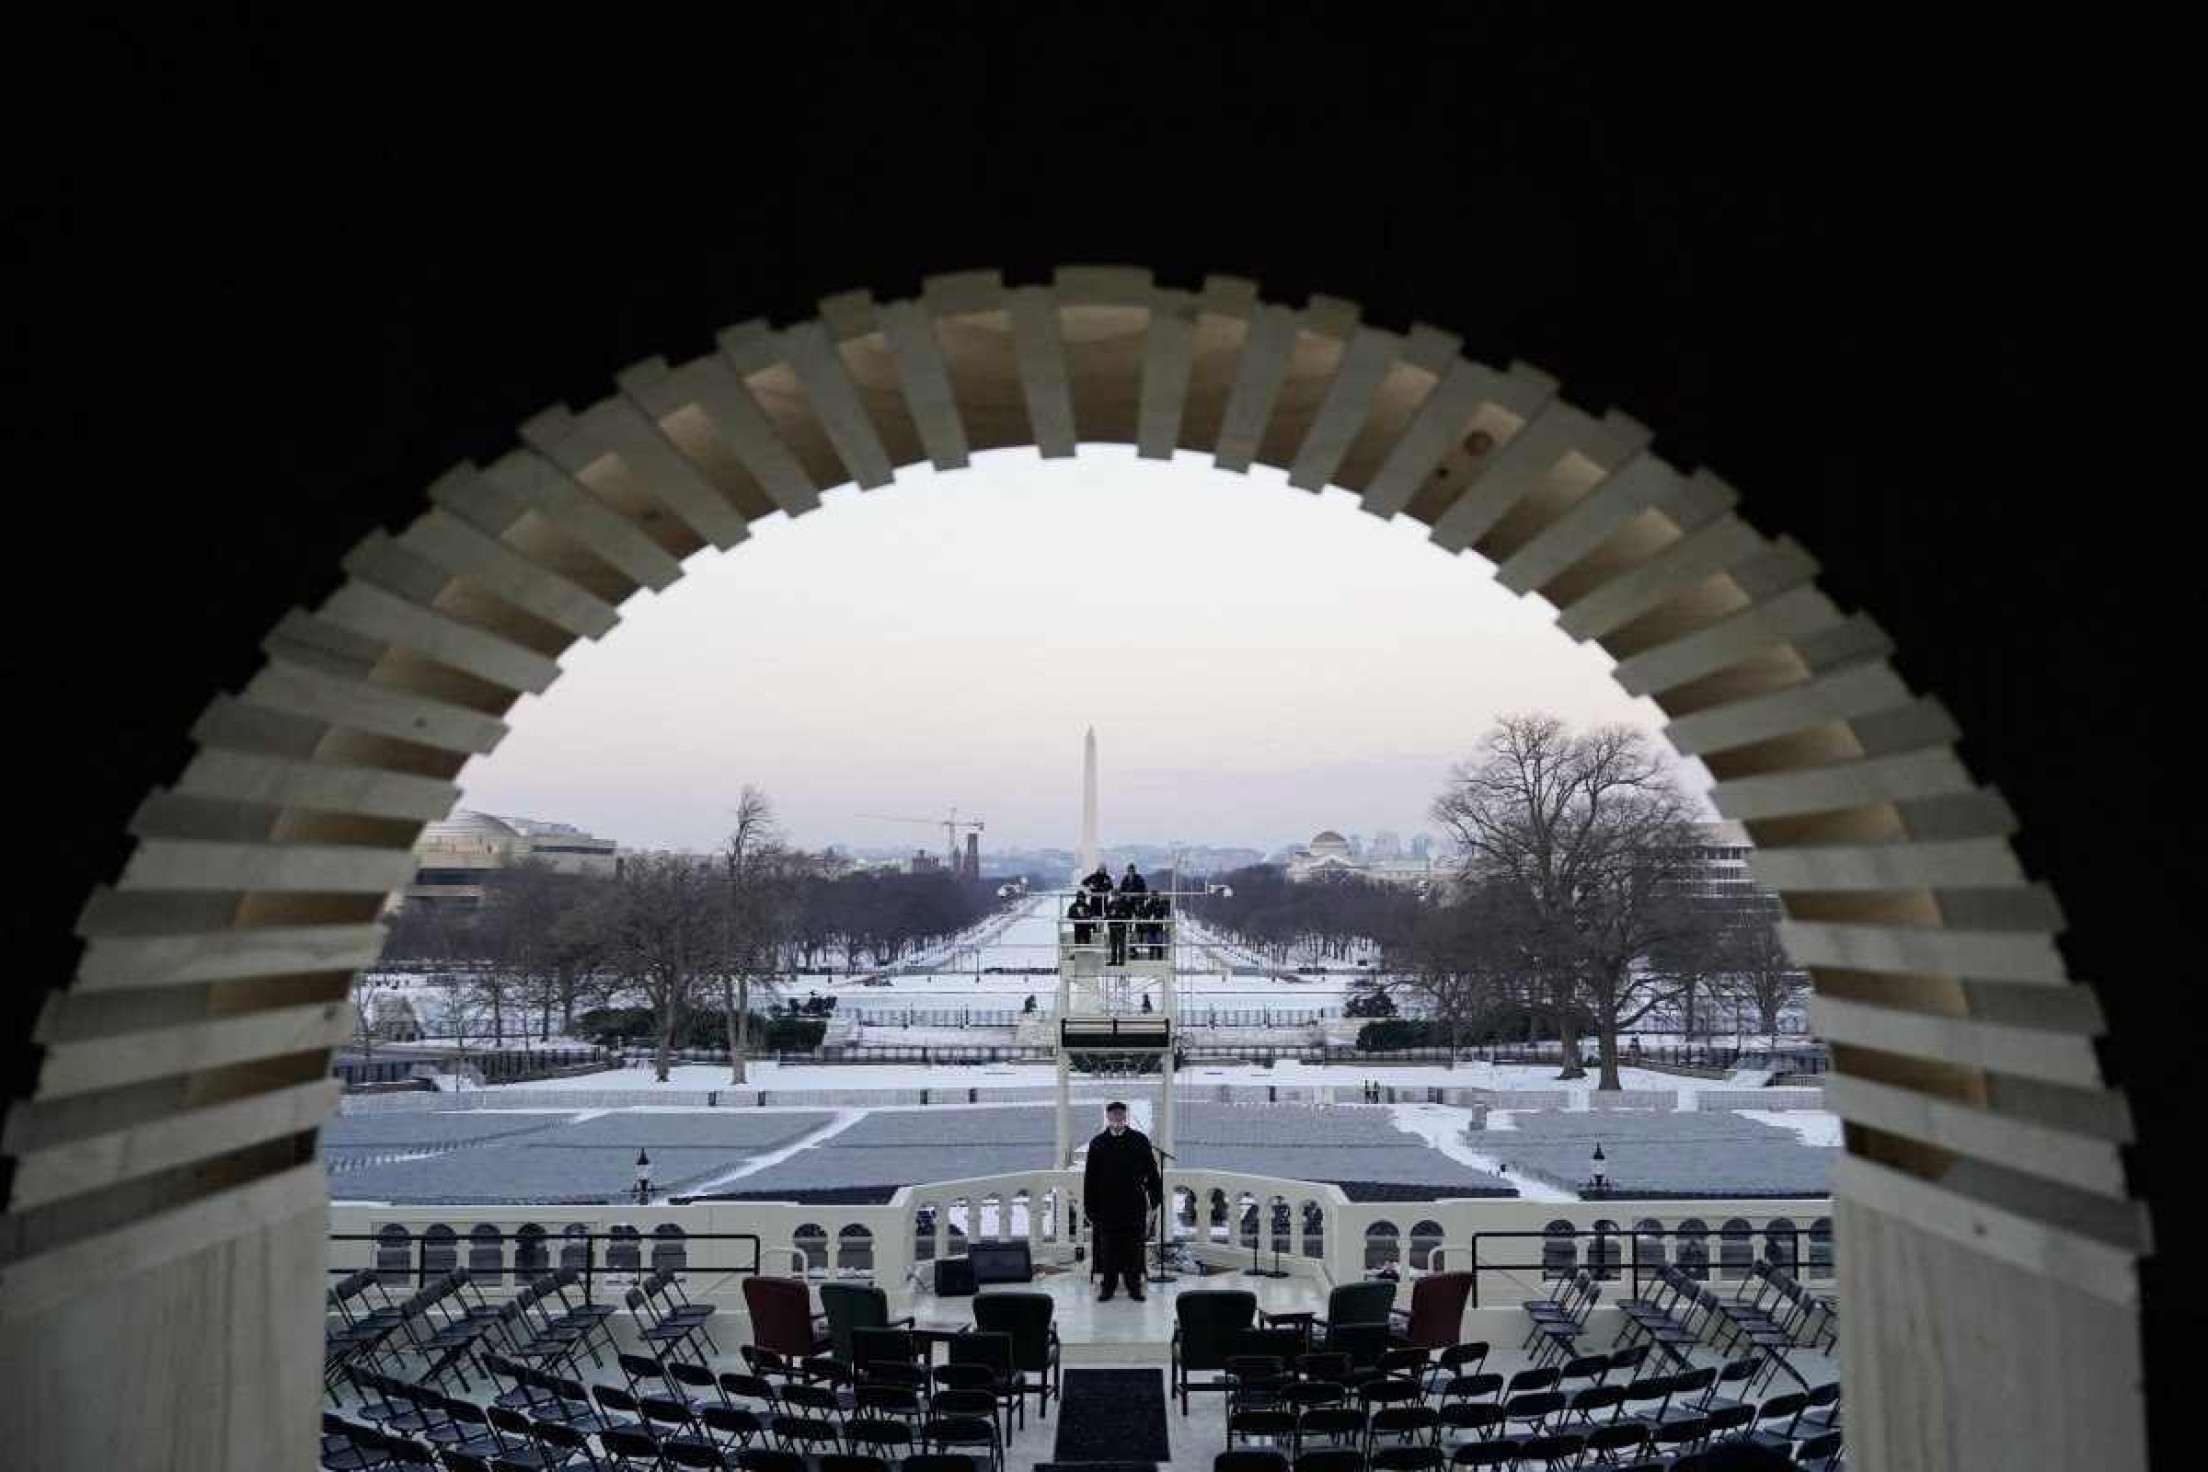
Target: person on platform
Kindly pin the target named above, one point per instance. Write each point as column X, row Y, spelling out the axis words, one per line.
column 1156, row 910
column 1118, row 911
column 1119, row 1189
column 1099, row 880
column 1080, row 912
column 1127, row 904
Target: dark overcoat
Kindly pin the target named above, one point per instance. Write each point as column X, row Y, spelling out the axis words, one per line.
column 1121, row 1181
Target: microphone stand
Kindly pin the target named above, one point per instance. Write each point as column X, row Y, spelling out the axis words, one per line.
column 1161, row 1275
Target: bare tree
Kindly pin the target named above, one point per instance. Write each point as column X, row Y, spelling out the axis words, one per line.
column 664, row 938
column 444, row 940
column 544, row 933
column 757, row 910
column 1467, row 961
column 1594, row 835
column 1694, row 963
column 1759, row 973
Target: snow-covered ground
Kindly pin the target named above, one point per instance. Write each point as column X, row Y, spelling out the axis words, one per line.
column 1504, row 1077
column 1815, row 1126
column 1027, row 937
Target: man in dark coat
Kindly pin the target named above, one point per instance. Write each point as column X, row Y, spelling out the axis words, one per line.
column 1118, row 1190
column 1099, row 880
column 1131, row 882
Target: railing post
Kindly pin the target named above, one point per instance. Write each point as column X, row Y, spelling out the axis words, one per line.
column 1473, row 1257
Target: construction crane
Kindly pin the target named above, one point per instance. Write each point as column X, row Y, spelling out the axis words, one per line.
column 949, row 825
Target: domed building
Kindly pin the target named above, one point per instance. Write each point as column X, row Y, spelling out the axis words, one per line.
column 1329, row 853
column 454, row 856
column 1330, row 845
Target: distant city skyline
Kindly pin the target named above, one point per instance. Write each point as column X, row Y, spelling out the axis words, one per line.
column 1259, row 663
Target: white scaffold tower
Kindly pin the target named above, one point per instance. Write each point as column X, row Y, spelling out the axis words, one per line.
column 1118, row 1012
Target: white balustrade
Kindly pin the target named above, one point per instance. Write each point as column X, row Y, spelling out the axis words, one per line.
column 1330, row 1237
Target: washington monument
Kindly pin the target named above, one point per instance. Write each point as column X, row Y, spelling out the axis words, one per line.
column 1088, row 802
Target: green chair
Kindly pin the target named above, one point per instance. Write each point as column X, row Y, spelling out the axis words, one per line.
column 1208, row 1328
column 1348, row 1304
column 1026, row 1318
column 855, row 1306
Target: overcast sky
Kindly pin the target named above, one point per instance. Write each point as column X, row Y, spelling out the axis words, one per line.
column 1259, row 663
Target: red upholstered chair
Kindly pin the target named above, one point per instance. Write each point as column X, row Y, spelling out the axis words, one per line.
column 782, row 1317
column 1437, row 1311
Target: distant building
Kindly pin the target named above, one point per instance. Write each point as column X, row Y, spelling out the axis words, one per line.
column 1718, row 875
column 454, row 857
column 1329, row 853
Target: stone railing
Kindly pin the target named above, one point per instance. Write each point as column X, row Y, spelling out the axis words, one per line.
column 1322, row 1235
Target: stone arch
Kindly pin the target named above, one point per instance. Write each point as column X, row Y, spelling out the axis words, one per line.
column 394, row 1253
column 923, row 1230
column 1281, row 1236
column 1221, row 1230
column 670, row 1248
column 1314, row 1230
column 1650, row 1246
column 1820, row 1248
column 1604, row 1250
column 1183, row 1214
column 1426, row 1235
column 530, row 1255
column 1694, row 1248
column 855, row 1248
column 811, row 1238
column 440, row 1249
column 1932, row 952
column 624, row 1249
column 1559, row 1250
column 1735, row 1248
column 1781, row 1244
column 576, row 1248
column 486, row 1253
column 1383, row 1245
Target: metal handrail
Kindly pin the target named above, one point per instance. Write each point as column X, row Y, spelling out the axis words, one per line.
column 641, row 1240
column 1475, row 1267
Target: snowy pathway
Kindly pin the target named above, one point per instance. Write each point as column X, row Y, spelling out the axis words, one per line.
column 845, row 1118
column 1443, row 1126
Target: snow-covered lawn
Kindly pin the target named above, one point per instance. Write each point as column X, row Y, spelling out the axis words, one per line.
column 692, row 1077
column 1467, row 1075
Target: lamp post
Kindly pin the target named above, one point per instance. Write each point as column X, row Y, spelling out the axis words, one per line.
column 643, row 1178
column 1598, row 1187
